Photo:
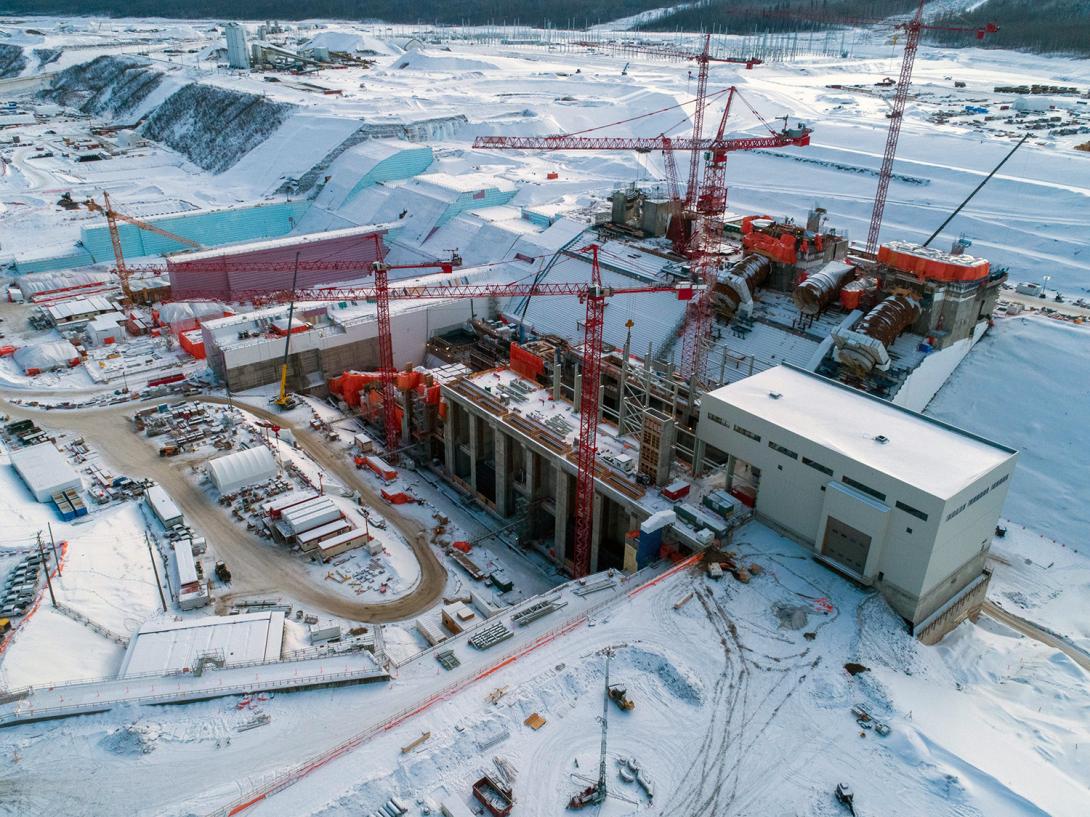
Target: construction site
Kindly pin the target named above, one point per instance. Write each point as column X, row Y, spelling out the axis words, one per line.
column 574, row 438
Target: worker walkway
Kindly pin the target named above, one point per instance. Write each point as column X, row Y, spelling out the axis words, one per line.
column 85, row 697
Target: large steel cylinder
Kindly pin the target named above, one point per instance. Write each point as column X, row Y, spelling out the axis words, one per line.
column 865, row 347
column 890, row 318
column 736, row 288
column 821, row 288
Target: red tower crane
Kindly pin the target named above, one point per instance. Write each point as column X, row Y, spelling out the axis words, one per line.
column 708, row 203
column 381, row 271
column 704, row 59
column 593, row 294
column 913, row 29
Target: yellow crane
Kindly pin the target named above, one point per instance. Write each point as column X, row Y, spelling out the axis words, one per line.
column 284, row 400
column 112, row 217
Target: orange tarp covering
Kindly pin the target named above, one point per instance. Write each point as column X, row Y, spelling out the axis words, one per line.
column 348, row 385
column 940, row 267
column 780, row 249
column 193, row 343
column 525, row 364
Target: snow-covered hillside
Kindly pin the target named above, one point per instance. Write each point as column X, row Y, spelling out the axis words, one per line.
column 1028, row 384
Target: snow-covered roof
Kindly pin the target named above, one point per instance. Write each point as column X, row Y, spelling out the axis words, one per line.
column 161, row 503
column 37, row 282
column 247, row 467
column 169, row 646
column 107, row 321
column 917, row 450
column 274, row 243
column 45, row 355
column 169, row 313
column 63, row 310
column 44, row 469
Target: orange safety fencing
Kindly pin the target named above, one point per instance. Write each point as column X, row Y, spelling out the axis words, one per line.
column 10, row 637
column 287, row 779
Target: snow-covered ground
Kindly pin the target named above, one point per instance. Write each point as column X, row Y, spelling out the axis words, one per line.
column 106, row 577
column 1027, row 384
column 743, row 703
column 733, row 709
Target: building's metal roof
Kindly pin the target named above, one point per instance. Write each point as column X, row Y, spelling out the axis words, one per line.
column 935, row 457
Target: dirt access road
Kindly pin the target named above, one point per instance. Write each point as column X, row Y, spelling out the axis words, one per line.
column 1028, row 628
column 259, row 567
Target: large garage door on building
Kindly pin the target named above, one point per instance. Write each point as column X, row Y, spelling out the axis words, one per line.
column 846, row 545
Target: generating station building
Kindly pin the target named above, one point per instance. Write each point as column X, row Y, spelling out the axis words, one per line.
column 892, row 498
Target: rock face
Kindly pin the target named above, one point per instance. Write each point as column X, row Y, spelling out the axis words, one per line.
column 12, row 60
column 107, row 86
column 214, row 127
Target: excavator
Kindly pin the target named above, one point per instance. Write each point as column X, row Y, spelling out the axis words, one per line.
column 112, row 217
column 618, row 693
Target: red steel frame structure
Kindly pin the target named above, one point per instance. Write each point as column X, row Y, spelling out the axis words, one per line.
column 594, row 294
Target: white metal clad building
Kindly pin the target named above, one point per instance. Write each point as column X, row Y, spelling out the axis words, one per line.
column 44, row 470
column 250, row 466
column 891, row 497
column 163, row 507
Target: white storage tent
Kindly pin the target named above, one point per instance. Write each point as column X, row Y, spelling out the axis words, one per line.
column 173, row 312
column 44, row 357
column 231, row 472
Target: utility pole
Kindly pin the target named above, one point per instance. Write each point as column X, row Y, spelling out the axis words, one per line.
column 155, row 570
column 54, row 544
column 45, row 565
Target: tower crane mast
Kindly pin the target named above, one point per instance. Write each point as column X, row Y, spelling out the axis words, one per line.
column 112, row 217
column 913, row 29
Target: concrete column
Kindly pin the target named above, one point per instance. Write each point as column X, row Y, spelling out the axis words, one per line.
column 448, row 436
column 578, row 396
column 730, row 471
column 667, row 442
column 529, row 458
column 474, row 447
column 503, row 473
column 698, row 457
column 596, row 535
column 560, row 533
column 405, row 402
column 556, row 378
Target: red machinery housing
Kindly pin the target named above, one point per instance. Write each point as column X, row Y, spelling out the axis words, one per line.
column 931, row 264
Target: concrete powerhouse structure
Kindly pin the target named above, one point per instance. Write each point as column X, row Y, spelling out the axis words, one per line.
column 893, row 498
column 512, row 445
column 246, row 351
